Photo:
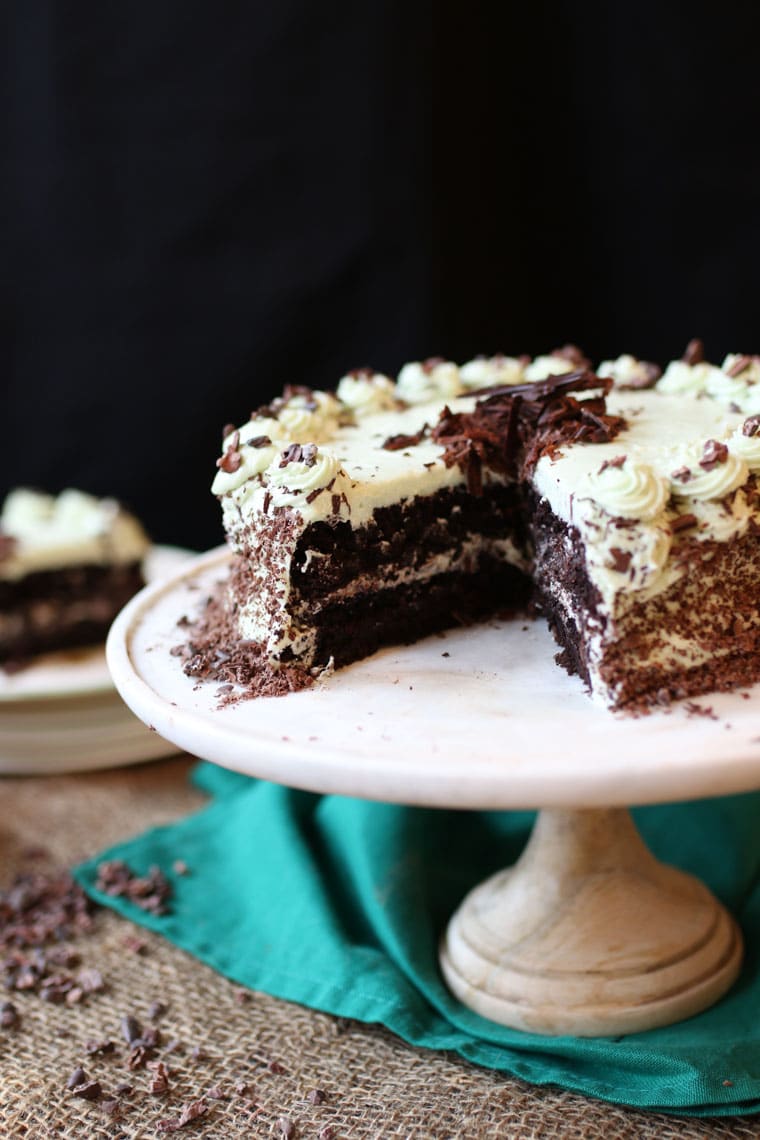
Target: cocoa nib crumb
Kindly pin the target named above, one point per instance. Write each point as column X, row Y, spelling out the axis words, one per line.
column 299, row 453
column 713, row 454
column 741, row 364
column 131, row 1030
column 618, row 461
column 695, row 709
column 40, row 908
column 9, row 1016
column 316, row 1096
column 191, row 1112
column 150, row 892
column 286, row 1128
column 160, row 1081
column 232, row 459
column 682, row 475
column 694, row 353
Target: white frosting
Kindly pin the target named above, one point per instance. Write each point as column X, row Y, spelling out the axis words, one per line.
column 366, row 392
column 550, row 365
column 253, row 461
column 713, row 481
column 681, row 379
column 746, row 448
column 625, row 370
column 629, row 490
column 70, row 529
column 486, row 371
column 419, row 383
column 291, row 479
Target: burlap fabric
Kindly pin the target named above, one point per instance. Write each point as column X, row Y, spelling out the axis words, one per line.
column 261, row 1067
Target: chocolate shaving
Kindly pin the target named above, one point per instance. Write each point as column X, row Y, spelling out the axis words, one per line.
column 514, row 425
column 751, row 425
column 682, row 475
column 683, row 522
column 713, row 454
column 259, row 441
column 618, row 461
column 621, row 559
column 399, row 442
column 694, row 353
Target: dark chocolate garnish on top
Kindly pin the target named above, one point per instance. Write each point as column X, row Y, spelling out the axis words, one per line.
column 713, row 454
column 750, row 427
column 232, row 458
column 694, row 353
column 299, row 453
column 399, row 442
column 740, row 365
column 515, row 424
column 618, row 461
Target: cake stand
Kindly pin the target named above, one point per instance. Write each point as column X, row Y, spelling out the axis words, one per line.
column 588, row 934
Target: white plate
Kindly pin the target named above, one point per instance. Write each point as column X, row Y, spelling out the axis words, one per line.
column 478, row 718
column 62, row 713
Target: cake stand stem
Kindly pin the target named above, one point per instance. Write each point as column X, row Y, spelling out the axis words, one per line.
column 588, row 934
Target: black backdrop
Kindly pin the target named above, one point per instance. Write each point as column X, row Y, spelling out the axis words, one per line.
column 202, row 202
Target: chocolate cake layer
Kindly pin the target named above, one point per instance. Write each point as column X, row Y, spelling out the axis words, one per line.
column 62, row 609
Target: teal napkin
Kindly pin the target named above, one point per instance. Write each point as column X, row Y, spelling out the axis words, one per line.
column 339, row 904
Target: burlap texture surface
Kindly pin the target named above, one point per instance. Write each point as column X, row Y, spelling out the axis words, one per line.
column 266, row 1068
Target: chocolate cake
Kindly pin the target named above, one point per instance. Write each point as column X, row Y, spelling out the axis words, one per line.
column 68, row 564
column 621, row 503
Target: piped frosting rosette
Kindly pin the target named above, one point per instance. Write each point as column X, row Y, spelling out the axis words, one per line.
column 300, row 473
column 745, row 443
column 628, row 489
column 247, row 453
column 487, row 371
column 628, row 371
column 681, row 378
column 307, row 416
column 627, row 557
column 708, row 472
column 365, row 392
column 420, row 382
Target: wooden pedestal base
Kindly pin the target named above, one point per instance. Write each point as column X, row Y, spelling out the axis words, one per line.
column 588, row 934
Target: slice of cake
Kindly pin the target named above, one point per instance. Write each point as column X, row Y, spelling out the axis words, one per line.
column 623, row 504
column 67, row 566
